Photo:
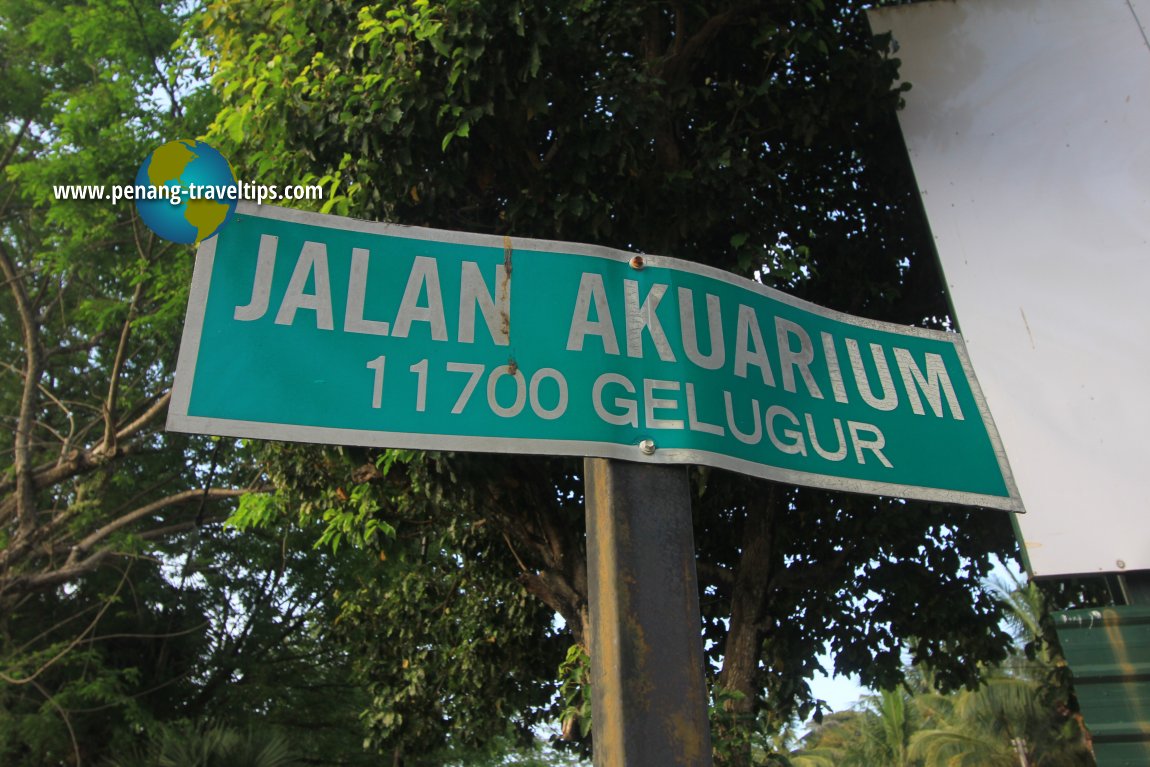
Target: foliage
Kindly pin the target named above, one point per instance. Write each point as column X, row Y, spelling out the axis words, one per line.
column 503, row 753
column 208, row 745
column 832, row 742
column 575, row 693
column 1022, row 710
column 448, row 644
column 732, row 730
column 121, row 607
column 90, row 299
column 88, row 305
column 877, row 735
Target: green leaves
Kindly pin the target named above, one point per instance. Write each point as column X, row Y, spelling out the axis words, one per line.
column 354, row 520
column 256, row 510
column 575, row 691
column 209, row 745
column 441, row 640
column 119, row 594
column 1020, row 703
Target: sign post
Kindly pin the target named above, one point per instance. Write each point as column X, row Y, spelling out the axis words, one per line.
column 649, row 696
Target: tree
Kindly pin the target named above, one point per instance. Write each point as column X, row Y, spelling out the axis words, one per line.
column 876, row 735
column 832, row 742
column 756, row 137
column 91, row 301
column 456, row 658
column 209, row 746
column 1019, row 715
column 87, row 304
column 995, row 725
column 1023, row 714
column 123, row 606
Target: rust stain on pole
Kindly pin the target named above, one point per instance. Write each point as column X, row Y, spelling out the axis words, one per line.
column 649, row 703
column 505, row 289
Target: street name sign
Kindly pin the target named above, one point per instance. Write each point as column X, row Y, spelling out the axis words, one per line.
column 319, row 328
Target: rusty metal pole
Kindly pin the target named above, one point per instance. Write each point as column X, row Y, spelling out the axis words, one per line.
column 649, row 697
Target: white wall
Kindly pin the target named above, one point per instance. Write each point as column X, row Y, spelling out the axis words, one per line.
column 1028, row 124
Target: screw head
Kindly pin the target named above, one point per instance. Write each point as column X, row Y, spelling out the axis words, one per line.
column 647, row 446
column 1121, row 564
column 636, row 262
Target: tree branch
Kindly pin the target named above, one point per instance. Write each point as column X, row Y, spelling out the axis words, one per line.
column 64, row 441
column 158, row 406
column 148, row 510
column 68, row 648
column 64, row 716
column 714, row 575
column 11, row 151
column 80, row 461
column 109, row 442
column 677, row 66
column 33, row 365
column 77, row 564
column 180, row 527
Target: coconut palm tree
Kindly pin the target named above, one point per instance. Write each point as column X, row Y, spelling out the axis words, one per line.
column 830, row 743
column 877, row 736
column 1019, row 717
column 1004, row 723
column 208, row 745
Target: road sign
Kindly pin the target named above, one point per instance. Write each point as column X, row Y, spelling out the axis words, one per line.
column 327, row 329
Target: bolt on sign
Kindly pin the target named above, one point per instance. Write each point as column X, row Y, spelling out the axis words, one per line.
column 319, row 328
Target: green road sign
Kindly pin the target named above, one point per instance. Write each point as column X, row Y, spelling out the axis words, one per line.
column 327, row 329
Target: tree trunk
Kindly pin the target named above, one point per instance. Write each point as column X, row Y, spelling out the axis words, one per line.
column 748, row 607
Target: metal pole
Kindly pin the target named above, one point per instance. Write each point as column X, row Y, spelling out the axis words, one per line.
column 649, row 697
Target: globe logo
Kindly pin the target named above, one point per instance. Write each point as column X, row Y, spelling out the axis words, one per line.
column 195, row 191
